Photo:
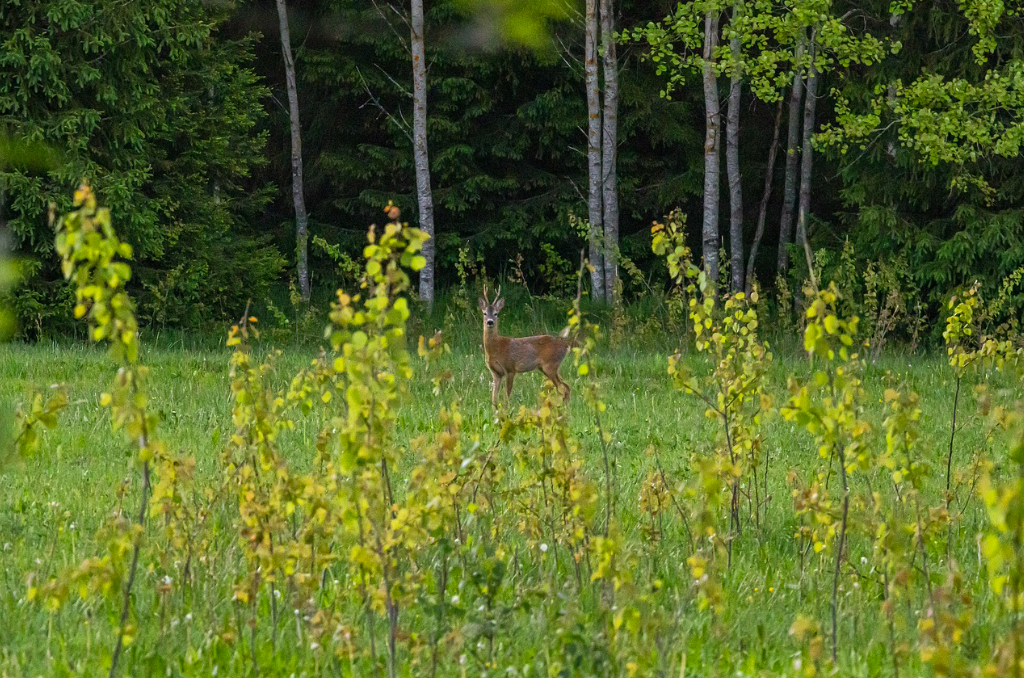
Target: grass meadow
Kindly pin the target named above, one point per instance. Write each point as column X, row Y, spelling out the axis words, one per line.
column 533, row 618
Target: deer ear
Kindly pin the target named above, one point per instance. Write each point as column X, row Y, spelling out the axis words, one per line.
column 481, row 303
column 498, row 305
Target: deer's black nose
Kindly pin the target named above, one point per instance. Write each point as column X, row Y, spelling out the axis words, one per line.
column 490, row 323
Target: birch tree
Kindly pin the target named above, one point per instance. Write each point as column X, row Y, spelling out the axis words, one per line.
column 684, row 42
column 424, row 195
column 766, row 49
column 807, row 148
column 298, row 189
column 595, row 194
column 732, row 162
column 609, row 152
column 766, row 194
column 831, row 45
column 792, row 161
column 712, row 159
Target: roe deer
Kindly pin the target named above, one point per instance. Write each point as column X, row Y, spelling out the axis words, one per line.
column 507, row 356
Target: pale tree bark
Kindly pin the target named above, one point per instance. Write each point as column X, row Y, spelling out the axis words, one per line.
column 807, row 150
column 766, row 194
column 890, row 147
column 732, row 166
column 609, row 152
column 595, row 198
column 712, row 161
column 792, row 163
column 298, row 189
column 424, row 195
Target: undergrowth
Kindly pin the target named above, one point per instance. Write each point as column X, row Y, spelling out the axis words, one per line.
column 358, row 509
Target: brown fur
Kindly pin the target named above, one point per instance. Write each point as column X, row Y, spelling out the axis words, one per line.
column 508, row 356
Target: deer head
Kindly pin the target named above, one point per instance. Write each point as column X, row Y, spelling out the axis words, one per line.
column 490, row 309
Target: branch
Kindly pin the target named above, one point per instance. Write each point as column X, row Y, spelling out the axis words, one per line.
column 401, row 124
column 400, row 15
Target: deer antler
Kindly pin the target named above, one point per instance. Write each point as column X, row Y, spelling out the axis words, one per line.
column 498, row 295
column 486, row 299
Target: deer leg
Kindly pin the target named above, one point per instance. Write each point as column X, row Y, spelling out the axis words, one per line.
column 552, row 374
column 494, row 389
column 509, row 378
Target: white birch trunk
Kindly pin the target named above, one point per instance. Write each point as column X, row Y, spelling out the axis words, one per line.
column 807, row 150
column 424, row 195
column 298, row 190
column 792, row 163
column 609, row 153
column 890, row 147
column 712, row 161
column 732, row 165
column 595, row 199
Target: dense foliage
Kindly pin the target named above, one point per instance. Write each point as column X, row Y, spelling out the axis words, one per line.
column 164, row 114
column 956, row 216
column 176, row 111
column 353, row 525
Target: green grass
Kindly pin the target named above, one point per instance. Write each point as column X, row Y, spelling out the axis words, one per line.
column 51, row 507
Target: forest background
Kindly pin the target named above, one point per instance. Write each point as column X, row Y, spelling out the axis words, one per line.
column 180, row 113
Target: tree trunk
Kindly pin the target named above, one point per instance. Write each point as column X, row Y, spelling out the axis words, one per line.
column 792, row 159
column 712, row 162
column 609, row 153
column 762, row 211
column 732, row 165
column 595, row 199
column 807, row 150
column 890, row 147
column 424, row 195
column 298, row 191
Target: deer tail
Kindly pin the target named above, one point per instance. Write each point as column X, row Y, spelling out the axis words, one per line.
column 569, row 336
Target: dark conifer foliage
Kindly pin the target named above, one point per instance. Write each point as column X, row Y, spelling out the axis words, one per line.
column 165, row 115
column 177, row 112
